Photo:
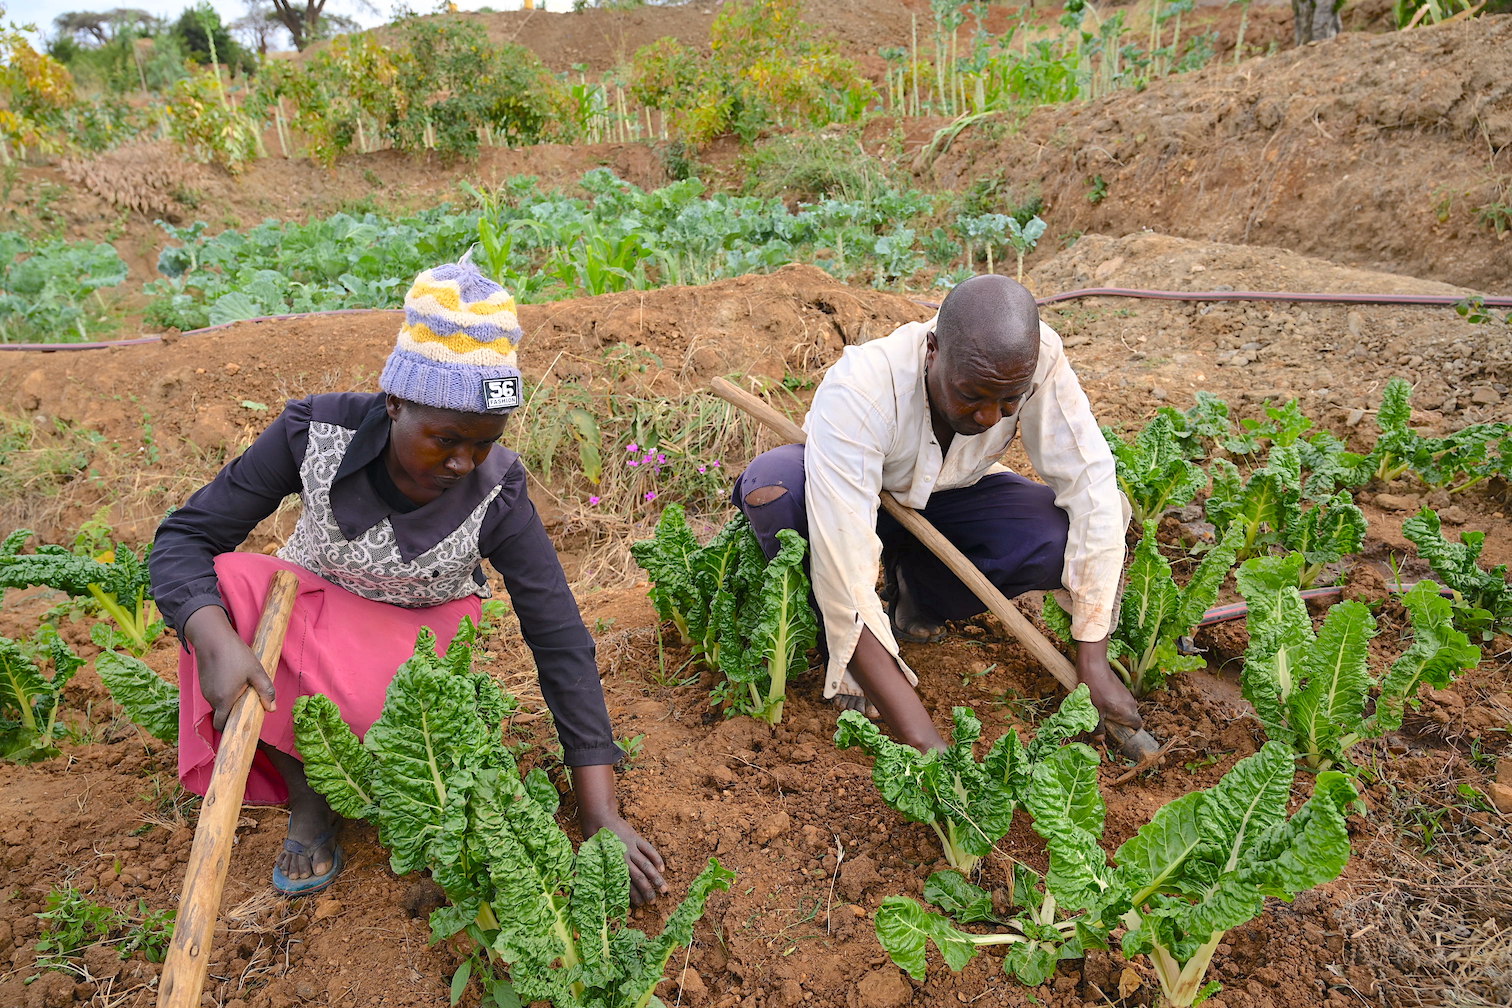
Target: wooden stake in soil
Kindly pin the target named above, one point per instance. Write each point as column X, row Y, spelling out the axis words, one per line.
column 205, row 878
column 1134, row 744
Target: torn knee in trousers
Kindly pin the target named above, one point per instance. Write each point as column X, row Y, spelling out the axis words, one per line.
column 764, row 495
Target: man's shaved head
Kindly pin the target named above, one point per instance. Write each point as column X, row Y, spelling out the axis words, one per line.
column 979, row 361
column 988, row 320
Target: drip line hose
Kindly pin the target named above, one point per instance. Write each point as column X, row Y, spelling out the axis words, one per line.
column 1130, row 292
column 1238, row 610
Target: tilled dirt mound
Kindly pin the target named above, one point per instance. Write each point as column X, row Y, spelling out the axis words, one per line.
column 1375, row 150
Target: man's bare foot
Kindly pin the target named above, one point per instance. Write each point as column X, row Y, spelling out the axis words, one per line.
column 845, row 702
column 910, row 621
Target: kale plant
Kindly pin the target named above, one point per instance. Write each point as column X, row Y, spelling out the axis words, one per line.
column 1311, row 690
column 968, row 804
column 446, row 794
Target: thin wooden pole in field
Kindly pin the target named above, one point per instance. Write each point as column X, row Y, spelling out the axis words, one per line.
column 209, row 857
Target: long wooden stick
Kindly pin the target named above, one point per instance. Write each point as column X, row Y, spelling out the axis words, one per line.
column 996, row 602
column 205, row 878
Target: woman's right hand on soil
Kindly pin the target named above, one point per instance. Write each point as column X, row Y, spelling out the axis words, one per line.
column 227, row 666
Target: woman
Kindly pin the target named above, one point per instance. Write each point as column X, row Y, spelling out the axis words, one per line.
column 404, row 493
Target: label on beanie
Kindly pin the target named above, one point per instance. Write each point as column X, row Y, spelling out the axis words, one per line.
column 501, row 393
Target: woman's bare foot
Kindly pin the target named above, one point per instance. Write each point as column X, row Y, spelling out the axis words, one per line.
column 312, row 824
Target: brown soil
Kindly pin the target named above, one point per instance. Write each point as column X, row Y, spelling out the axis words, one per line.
column 800, row 821
column 1374, row 150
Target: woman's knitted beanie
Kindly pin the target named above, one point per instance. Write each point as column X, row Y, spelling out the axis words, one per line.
column 456, row 349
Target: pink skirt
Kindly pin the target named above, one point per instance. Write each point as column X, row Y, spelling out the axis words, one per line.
column 339, row 644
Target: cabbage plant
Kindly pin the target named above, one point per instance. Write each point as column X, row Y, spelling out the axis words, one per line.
column 446, row 794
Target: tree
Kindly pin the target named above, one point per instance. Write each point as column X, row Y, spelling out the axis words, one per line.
column 258, row 26
column 100, row 28
column 199, row 28
column 302, row 20
column 1316, row 20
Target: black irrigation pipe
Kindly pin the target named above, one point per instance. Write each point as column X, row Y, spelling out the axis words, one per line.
column 1132, row 292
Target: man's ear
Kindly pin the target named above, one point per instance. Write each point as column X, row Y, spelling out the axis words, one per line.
column 931, row 348
column 393, row 405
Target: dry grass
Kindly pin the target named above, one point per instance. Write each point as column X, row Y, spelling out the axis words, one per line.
column 1435, row 927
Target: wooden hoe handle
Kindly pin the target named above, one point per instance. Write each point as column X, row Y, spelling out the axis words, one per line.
column 1017, row 623
column 205, row 878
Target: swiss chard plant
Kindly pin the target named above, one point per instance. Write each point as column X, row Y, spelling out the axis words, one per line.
column 1196, row 429
column 1155, row 612
column 1202, row 865
column 30, row 700
column 1311, row 690
column 1398, row 447
column 748, row 618
column 1153, row 469
column 1467, row 457
column 1051, row 918
column 446, row 794
column 968, row 804
column 1483, row 603
column 1270, row 509
column 1205, row 863
column 114, row 581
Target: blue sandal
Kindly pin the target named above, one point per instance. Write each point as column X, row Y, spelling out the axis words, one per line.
column 315, row 883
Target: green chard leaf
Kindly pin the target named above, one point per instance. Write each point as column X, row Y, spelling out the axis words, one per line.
column 1336, row 682
column 1155, row 613
column 1438, row 654
column 336, row 764
column 1153, row 470
column 1485, row 604
column 145, row 696
column 905, row 930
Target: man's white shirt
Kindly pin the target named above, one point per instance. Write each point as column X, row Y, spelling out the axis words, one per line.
column 869, row 430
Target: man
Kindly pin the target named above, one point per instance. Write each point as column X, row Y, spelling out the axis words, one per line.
column 926, row 413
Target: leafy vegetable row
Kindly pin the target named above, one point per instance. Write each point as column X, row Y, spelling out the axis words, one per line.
column 1200, row 867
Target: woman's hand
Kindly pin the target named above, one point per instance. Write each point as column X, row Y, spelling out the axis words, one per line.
column 226, row 665
column 598, row 809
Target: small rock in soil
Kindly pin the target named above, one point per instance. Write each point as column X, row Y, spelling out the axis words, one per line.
column 1395, row 502
column 884, row 988
column 773, row 827
column 857, row 876
column 1485, row 396
column 1501, row 796
column 1454, row 515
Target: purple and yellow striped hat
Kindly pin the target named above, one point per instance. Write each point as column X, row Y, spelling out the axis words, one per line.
column 456, row 349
